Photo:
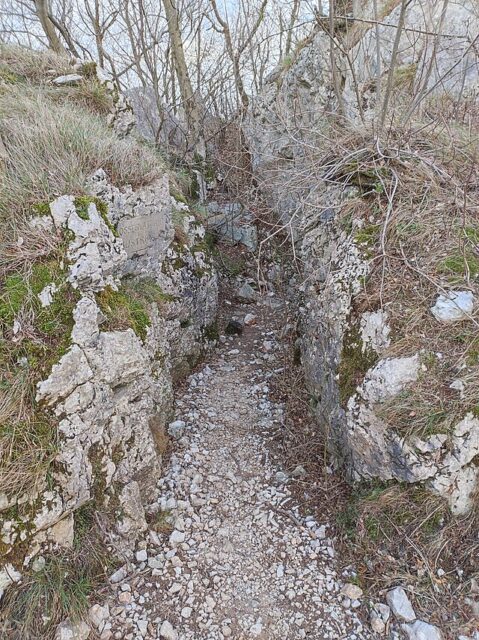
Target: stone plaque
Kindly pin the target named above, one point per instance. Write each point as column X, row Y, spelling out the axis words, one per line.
column 141, row 234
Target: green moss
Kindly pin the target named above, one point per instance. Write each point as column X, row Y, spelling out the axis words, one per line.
column 150, row 291
column 41, row 209
column 21, row 291
column 472, row 233
column 12, row 298
column 354, row 364
column 459, row 264
column 211, row 332
column 349, row 516
column 367, row 235
column 177, row 195
column 123, row 310
column 82, row 203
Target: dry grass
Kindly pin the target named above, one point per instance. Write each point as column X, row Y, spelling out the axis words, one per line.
column 31, row 65
column 65, row 586
column 52, row 148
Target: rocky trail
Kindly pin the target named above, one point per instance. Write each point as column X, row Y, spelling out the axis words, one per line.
column 231, row 555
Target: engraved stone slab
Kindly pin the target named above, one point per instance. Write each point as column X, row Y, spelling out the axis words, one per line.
column 141, row 234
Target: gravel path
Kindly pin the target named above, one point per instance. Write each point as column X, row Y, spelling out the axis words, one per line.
column 232, row 556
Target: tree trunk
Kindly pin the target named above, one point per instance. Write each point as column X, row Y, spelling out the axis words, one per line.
column 191, row 105
column 54, row 42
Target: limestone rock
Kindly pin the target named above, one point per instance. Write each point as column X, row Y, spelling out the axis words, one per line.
column 8, row 575
column 400, row 604
column 167, row 631
column 99, row 615
column 246, row 293
column 453, row 307
column 389, row 377
column 72, row 631
column 421, row 631
column 69, row 80
column 352, row 591
column 177, row 428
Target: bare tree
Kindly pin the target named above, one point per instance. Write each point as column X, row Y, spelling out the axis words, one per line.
column 44, row 16
column 193, row 111
column 235, row 52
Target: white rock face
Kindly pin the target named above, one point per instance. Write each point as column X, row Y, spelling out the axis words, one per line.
column 388, row 378
column 112, row 391
column 421, row 631
column 456, row 306
column 8, row 575
column 95, row 253
column 375, row 330
column 400, row 604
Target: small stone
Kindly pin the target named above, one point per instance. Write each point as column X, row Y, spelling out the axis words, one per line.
column 256, row 629
column 377, row 623
column 72, row 631
column 119, row 575
column 124, row 597
column 98, row 615
column 38, row 564
column 142, row 627
column 69, row 80
column 400, row 604
column 453, row 307
column 246, row 293
column 177, row 537
column 234, row 327
column 249, row 320
column 299, row 472
column 352, row 591
column 186, row 612
column 167, row 631
column 420, row 630
column 142, row 555
column 176, row 429
column 281, row 477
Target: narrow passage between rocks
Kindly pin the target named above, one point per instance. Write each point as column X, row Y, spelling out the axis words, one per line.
column 239, row 559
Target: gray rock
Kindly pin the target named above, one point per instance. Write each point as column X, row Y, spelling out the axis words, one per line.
column 176, row 429
column 167, row 631
column 400, row 604
column 453, row 307
column 99, row 615
column 72, row 631
column 177, row 537
column 119, row 575
column 352, row 591
column 246, row 293
column 69, row 80
column 142, row 555
column 420, row 630
column 299, row 472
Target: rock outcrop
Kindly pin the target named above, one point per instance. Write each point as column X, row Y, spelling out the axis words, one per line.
column 144, row 311
column 349, row 340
